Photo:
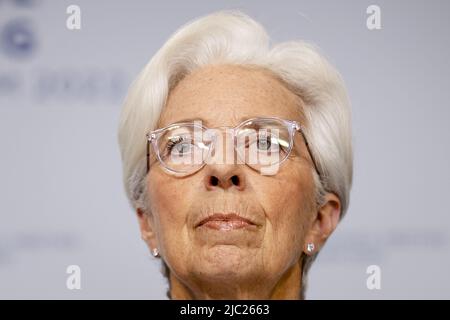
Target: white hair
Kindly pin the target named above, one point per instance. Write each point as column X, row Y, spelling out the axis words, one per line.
column 232, row 37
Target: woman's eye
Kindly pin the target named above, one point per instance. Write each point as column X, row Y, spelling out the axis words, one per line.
column 182, row 148
column 179, row 146
column 264, row 143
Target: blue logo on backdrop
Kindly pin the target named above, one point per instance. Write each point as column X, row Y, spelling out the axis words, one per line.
column 18, row 39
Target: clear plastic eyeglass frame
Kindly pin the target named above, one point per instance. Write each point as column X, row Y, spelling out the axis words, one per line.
column 290, row 125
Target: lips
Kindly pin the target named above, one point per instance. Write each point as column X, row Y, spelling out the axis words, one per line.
column 222, row 221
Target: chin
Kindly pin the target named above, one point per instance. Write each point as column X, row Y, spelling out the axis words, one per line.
column 227, row 261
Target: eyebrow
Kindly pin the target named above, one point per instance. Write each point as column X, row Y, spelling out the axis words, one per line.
column 207, row 124
column 192, row 120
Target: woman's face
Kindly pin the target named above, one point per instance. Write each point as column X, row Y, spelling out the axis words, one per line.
column 280, row 207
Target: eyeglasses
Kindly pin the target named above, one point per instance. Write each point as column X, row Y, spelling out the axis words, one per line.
column 261, row 143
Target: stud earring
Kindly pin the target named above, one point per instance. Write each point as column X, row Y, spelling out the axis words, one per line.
column 310, row 247
column 155, row 252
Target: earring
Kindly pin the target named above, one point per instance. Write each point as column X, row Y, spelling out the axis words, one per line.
column 155, row 252
column 310, row 247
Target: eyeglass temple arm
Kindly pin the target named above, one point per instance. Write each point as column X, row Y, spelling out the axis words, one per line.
column 148, row 152
column 150, row 137
column 299, row 129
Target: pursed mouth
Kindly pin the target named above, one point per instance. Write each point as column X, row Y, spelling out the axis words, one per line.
column 225, row 221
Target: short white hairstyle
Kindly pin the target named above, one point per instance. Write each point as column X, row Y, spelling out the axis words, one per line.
column 232, row 37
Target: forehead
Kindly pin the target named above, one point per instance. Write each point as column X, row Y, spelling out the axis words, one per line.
column 224, row 95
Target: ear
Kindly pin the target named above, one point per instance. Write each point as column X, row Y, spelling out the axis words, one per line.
column 146, row 226
column 323, row 224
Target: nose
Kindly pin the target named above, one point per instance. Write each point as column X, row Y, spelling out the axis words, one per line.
column 224, row 176
column 222, row 171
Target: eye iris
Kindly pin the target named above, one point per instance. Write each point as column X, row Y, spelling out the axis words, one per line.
column 182, row 148
column 264, row 143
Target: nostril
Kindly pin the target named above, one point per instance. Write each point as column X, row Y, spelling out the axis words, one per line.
column 214, row 181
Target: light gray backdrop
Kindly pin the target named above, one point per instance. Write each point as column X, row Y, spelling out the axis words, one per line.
column 61, row 196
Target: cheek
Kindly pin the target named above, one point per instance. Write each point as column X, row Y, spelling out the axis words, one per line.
column 169, row 199
column 288, row 200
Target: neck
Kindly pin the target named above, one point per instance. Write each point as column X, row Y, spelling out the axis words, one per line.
column 287, row 287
